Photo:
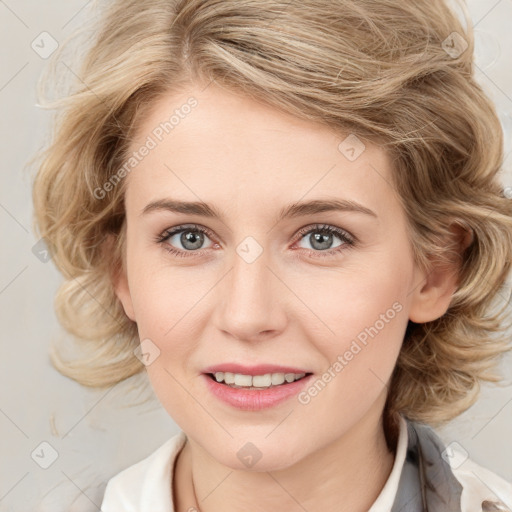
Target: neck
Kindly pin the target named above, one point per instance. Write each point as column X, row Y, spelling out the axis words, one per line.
column 345, row 475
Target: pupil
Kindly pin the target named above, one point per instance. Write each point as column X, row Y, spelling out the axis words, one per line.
column 317, row 241
column 192, row 237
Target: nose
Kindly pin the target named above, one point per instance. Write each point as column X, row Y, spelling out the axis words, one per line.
column 250, row 300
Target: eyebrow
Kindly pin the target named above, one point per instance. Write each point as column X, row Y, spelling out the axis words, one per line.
column 291, row 211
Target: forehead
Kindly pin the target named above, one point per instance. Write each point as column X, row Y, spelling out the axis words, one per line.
column 217, row 145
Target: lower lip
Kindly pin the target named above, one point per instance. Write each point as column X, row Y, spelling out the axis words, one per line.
column 255, row 399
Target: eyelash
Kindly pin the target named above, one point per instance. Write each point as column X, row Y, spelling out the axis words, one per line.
column 348, row 240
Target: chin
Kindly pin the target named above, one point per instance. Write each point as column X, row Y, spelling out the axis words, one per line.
column 256, row 456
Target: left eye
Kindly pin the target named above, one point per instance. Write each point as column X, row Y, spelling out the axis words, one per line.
column 321, row 238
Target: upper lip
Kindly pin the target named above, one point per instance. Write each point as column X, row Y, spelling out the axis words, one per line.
column 259, row 369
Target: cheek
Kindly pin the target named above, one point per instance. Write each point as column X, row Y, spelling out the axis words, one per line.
column 362, row 316
column 169, row 307
column 164, row 306
column 164, row 297
column 365, row 339
column 359, row 359
column 346, row 302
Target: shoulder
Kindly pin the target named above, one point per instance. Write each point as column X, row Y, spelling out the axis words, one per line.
column 474, row 487
column 145, row 485
column 480, row 486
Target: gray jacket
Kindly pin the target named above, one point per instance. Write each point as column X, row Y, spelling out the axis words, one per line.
column 427, row 482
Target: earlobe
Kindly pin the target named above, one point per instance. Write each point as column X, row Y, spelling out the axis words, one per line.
column 435, row 287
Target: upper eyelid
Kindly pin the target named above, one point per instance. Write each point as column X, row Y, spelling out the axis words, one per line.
column 328, row 227
column 180, row 228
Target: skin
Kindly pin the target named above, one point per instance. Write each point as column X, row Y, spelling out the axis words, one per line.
column 290, row 306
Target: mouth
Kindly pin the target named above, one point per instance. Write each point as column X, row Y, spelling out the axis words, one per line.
column 256, row 382
column 255, row 387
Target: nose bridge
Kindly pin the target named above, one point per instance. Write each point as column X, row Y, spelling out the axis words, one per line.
column 249, row 278
column 249, row 303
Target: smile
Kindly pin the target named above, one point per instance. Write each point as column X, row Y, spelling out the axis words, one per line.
column 255, row 392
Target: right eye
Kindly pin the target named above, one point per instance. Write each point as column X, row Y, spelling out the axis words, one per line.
column 191, row 238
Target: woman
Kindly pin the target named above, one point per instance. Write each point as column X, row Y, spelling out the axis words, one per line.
column 288, row 214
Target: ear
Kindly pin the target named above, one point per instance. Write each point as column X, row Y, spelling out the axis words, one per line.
column 431, row 298
column 119, row 277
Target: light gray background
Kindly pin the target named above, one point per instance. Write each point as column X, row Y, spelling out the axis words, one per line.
column 97, row 434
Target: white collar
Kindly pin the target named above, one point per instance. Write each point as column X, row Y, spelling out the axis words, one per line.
column 385, row 499
column 146, row 485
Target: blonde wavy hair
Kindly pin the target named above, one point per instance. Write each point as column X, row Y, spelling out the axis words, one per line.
column 388, row 71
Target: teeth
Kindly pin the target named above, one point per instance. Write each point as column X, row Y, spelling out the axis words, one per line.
column 277, row 378
column 262, row 381
column 229, row 378
column 256, row 381
column 243, row 380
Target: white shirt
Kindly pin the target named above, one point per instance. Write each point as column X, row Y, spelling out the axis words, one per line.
column 146, row 485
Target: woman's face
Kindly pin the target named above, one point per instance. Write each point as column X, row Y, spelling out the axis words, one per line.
column 254, row 279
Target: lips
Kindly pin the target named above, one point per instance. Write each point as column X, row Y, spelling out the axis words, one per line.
column 252, row 399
